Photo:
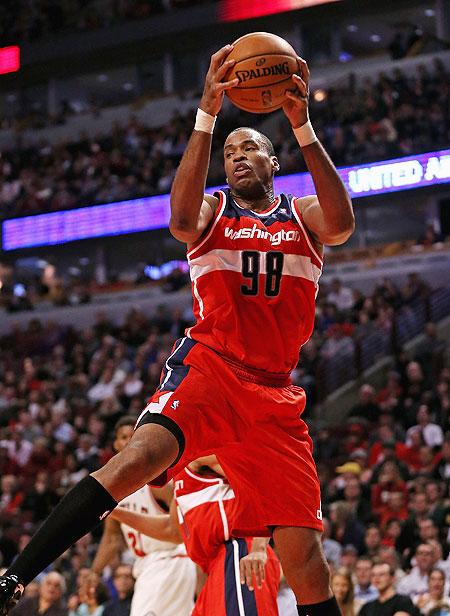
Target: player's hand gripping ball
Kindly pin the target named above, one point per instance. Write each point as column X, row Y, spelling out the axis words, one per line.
column 264, row 65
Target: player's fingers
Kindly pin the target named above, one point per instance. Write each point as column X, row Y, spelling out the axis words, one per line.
column 248, row 574
column 293, row 96
column 301, row 85
column 226, row 85
column 257, row 573
column 222, row 70
column 220, row 55
column 304, row 70
column 242, row 571
column 296, row 95
column 262, row 572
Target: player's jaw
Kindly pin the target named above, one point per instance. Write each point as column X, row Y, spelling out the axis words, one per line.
column 247, row 183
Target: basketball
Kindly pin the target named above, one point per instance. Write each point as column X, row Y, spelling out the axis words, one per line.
column 264, row 65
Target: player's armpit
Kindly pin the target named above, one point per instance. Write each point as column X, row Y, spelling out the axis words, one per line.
column 314, row 219
column 188, row 231
column 164, row 495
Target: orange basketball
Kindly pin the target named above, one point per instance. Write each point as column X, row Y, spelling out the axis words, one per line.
column 264, row 65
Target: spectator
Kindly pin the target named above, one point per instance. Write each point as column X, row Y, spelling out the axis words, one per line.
column 123, row 583
column 104, row 388
column 419, row 509
column 434, row 600
column 332, row 549
column 346, row 529
column 388, row 602
column 41, row 499
column 93, row 596
column 364, row 590
column 358, row 501
column 389, row 481
column 416, row 582
column 442, row 468
column 372, row 541
column 431, row 433
column 388, row 555
column 48, row 603
column 340, row 296
column 349, row 557
column 367, row 407
column 342, row 587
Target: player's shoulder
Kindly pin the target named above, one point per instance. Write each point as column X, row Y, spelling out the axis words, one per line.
column 212, row 201
column 303, row 203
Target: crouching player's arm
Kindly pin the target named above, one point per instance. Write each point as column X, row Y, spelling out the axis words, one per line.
column 162, row 527
column 252, row 566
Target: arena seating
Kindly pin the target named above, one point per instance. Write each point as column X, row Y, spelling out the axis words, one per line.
column 391, row 116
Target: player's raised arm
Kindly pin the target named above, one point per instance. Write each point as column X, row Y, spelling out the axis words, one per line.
column 162, row 527
column 191, row 209
column 111, row 544
column 329, row 216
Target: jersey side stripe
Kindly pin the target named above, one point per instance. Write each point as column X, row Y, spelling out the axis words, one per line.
column 198, row 297
column 222, row 205
column 168, row 367
column 299, row 220
column 299, row 266
column 211, row 494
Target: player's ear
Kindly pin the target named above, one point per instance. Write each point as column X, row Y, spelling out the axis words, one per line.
column 275, row 164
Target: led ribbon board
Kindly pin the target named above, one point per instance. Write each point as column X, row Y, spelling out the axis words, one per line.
column 235, row 10
column 137, row 215
column 9, row 59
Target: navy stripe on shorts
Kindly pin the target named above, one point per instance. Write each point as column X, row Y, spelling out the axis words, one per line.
column 239, row 600
column 174, row 371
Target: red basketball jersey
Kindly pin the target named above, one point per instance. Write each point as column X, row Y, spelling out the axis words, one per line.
column 206, row 507
column 254, row 282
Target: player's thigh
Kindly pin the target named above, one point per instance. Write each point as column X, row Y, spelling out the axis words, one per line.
column 165, row 587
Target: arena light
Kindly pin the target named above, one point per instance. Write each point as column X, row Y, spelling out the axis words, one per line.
column 9, row 59
column 139, row 215
column 235, row 10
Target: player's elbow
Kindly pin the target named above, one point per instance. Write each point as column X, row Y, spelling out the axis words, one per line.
column 341, row 233
column 182, row 229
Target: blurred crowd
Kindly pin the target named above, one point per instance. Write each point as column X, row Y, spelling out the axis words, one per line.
column 27, row 20
column 385, row 471
column 391, row 116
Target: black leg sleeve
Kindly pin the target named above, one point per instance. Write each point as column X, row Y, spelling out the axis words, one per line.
column 76, row 514
column 326, row 608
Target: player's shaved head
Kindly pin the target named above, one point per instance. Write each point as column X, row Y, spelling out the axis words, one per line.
column 262, row 139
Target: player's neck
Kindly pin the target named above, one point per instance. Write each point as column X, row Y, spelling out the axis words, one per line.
column 257, row 205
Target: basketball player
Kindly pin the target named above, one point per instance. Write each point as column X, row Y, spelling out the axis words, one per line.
column 165, row 577
column 205, row 508
column 255, row 260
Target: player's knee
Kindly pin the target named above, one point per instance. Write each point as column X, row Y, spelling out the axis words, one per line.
column 310, row 559
column 307, row 562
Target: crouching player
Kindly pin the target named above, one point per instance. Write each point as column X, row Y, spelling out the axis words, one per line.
column 243, row 574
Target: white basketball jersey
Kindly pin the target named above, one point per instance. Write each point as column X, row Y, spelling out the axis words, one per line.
column 143, row 501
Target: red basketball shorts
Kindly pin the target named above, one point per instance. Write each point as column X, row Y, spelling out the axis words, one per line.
column 223, row 593
column 255, row 430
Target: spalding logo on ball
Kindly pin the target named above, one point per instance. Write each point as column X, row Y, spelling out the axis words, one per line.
column 264, row 65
